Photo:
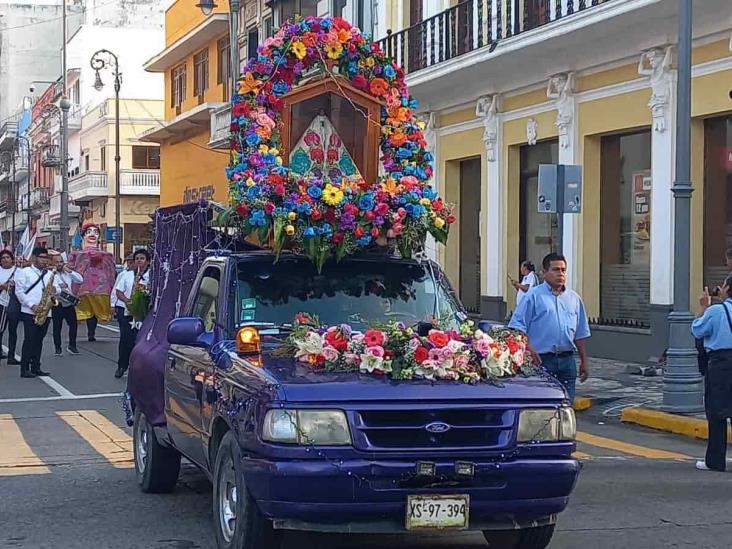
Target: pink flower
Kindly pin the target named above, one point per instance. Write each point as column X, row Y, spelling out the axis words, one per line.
column 461, row 361
column 376, row 351
column 374, row 338
column 414, row 343
column 330, row 354
column 352, row 359
column 482, row 345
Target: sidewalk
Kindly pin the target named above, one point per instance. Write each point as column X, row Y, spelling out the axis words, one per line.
column 613, row 391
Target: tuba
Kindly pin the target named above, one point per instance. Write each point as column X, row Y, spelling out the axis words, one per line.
column 48, row 300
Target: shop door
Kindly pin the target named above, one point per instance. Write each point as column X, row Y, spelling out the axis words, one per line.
column 469, row 234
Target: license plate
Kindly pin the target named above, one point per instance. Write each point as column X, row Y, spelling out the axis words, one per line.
column 437, row 512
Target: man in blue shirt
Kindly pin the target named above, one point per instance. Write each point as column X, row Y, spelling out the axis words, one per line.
column 555, row 321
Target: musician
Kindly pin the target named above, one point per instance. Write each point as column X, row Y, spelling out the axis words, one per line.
column 7, row 286
column 64, row 310
column 31, row 285
column 126, row 283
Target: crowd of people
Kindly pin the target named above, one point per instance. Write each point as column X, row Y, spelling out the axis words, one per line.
column 48, row 289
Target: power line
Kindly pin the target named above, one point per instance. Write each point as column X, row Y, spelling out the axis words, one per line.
column 57, row 18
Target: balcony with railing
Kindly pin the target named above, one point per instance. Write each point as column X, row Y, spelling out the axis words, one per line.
column 220, row 128
column 484, row 46
column 54, row 208
column 8, row 134
column 40, row 197
column 88, row 185
column 139, row 182
column 75, row 117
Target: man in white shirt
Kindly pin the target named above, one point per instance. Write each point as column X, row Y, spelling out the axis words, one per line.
column 30, row 285
column 65, row 277
column 7, row 285
column 123, row 292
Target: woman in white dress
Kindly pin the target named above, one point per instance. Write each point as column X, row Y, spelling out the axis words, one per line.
column 529, row 279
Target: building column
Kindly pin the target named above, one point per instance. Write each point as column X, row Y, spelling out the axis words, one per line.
column 656, row 64
column 493, row 304
column 433, row 141
column 561, row 89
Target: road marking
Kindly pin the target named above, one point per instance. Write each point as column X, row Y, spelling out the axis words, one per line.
column 103, row 435
column 56, row 386
column 16, row 456
column 51, row 398
column 110, row 328
column 628, row 448
column 580, row 455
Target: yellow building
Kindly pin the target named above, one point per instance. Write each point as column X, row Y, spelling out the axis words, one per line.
column 508, row 86
column 93, row 186
column 197, row 88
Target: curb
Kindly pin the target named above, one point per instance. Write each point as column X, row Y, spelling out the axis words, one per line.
column 672, row 423
column 582, row 403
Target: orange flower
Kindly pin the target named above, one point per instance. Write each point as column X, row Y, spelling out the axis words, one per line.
column 310, row 39
column 344, row 35
column 398, row 139
column 264, row 132
column 249, row 84
column 379, row 86
column 390, row 186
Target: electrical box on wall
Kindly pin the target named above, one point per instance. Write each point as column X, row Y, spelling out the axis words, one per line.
column 560, row 188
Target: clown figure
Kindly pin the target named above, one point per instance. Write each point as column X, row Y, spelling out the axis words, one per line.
column 99, row 272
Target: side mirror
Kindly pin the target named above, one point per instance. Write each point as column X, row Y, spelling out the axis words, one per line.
column 186, row 331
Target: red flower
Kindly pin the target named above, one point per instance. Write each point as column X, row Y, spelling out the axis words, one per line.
column 382, row 209
column 330, row 215
column 375, row 232
column 369, row 215
column 319, row 360
column 359, row 232
column 450, row 219
column 438, row 205
column 269, row 207
column 317, row 154
column 350, row 208
column 512, row 345
column 316, row 215
column 378, row 87
column 374, row 338
column 421, row 354
column 337, row 238
column 340, row 23
column 280, row 190
column 242, row 210
column 438, row 338
column 337, row 340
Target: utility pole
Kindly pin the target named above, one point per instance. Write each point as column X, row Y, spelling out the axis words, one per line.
column 13, row 204
column 682, row 384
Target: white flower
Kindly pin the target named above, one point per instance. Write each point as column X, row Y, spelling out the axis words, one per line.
column 311, row 344
column 369, row 363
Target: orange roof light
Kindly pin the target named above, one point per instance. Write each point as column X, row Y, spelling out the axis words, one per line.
column 247, row 340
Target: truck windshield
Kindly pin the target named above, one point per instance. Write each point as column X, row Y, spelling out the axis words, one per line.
column 359, row 293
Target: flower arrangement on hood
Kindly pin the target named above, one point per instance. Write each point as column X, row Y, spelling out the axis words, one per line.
column 399, row 352
column 319, row 216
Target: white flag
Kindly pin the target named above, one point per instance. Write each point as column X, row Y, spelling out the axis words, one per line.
column 23, row 241
column 29, row 247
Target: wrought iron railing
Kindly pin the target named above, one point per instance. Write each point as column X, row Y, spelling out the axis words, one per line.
column 471, row 25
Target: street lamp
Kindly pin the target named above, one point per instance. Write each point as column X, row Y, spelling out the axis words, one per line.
column 682, row 384
column 105, row 59
column 206, row 7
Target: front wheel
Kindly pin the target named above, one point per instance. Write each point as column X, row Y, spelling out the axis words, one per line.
column 238, row 522
column 156, row 466
column 528, row 538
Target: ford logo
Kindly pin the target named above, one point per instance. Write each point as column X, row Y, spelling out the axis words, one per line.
column 437, row 427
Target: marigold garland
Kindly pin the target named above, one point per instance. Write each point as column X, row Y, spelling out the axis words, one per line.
column 318, row 216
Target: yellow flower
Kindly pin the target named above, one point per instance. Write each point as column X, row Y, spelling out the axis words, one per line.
column 370, row 62
column 332, row 195
column 250, row 182
column 264, row 149
column 421, row 125
column 290, row 230
column 274, row 151
column 439, row 222
column 249, row 84
column 425, row 202
column 278, row 161
column 292, row 216
column 334, row 50
column 299, row 49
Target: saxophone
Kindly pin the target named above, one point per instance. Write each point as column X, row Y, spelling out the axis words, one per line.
column 48, row 300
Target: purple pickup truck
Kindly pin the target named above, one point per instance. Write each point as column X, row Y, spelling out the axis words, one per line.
column 379, row 456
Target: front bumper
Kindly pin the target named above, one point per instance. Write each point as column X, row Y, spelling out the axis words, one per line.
column 370, row 496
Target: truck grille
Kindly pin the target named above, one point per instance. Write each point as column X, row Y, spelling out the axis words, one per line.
column 433, row 429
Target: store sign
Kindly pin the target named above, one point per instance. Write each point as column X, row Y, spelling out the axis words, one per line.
column 113, row 234
column 641, row 228
column 194, row 194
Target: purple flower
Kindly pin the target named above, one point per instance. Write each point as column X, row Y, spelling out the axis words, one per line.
column 378, row 220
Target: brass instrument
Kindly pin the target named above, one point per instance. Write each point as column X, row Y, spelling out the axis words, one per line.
column 48, row 300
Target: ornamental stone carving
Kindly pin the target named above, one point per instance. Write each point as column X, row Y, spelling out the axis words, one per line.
column 532, row 129
column 487, row 109
column 561, row 90
column 657, row 63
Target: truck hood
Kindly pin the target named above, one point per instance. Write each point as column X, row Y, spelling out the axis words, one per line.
column 298, row 383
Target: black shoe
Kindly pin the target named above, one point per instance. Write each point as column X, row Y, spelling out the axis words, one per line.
column 3, row 355
column 73, row 350
column 92, row 338
column 40, row 372
column 58, row 352
column 119, row 373
column 13, row 362
column 25, row 373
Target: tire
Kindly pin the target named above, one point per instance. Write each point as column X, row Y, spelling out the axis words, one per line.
column 156, row 466
column 528, row 538
column 254, row 531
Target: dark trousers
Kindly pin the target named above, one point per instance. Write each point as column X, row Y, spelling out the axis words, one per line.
column 33, row 336
column 127, row 336
column 91, row 326
column 564, row 368
column 718, row 407
column 58, row 315
column 13, row 321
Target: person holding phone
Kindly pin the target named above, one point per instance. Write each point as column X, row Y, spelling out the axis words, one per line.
column 714, row 326
column 528, row 281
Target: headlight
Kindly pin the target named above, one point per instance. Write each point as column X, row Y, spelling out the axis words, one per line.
column 546, row 425
column 321, row 427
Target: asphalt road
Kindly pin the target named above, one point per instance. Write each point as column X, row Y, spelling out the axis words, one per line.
column 66, row 480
